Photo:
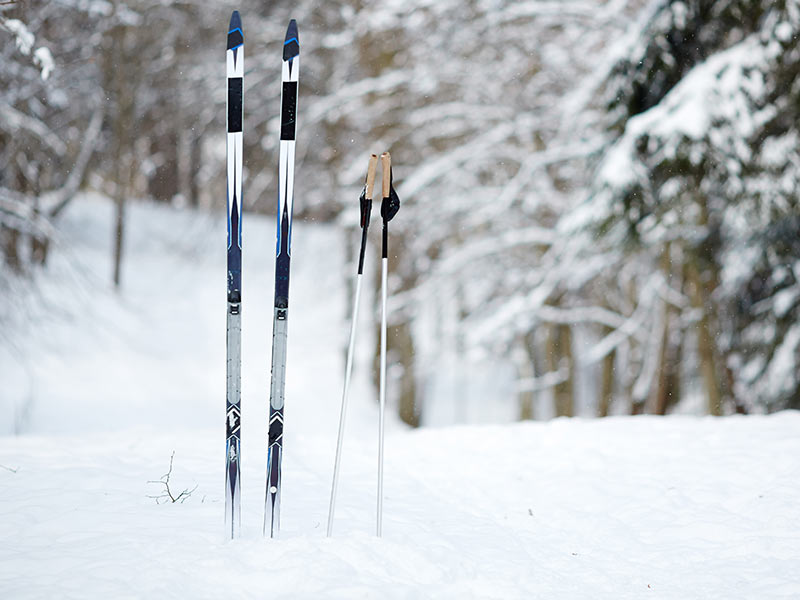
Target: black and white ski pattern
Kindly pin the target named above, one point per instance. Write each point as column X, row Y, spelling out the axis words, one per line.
column 235, row 73
column 289, row 82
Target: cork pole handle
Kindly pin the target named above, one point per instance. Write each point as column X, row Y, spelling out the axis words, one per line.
column 386, row 164
column 373, row 164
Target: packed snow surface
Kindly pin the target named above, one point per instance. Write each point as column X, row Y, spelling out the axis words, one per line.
column 624, row 507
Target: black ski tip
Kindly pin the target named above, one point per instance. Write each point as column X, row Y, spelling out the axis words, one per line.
column 291, row 46
column 235, row 33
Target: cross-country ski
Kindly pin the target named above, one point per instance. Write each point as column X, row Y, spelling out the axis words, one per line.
column 280, row 323
column 235, row 69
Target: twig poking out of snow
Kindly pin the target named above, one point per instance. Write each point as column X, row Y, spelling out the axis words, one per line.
column 166, row 494
column 13, row 470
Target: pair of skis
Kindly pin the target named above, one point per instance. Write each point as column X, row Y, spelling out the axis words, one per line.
column 289, row 79
column 390, row 204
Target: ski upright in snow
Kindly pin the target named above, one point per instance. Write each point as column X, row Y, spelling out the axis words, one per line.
column 235, row 70
column 289, row 80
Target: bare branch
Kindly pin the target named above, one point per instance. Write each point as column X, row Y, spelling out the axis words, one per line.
column 167, row 494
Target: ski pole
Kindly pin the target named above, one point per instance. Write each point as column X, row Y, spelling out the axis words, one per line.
column 366, row 208
column 390, row 204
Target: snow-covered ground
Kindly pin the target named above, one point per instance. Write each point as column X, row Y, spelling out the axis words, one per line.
column 153, row 356
column 620, row 508
column 644, row 507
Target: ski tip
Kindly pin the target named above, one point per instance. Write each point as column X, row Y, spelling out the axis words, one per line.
column 236, row 21
column 235, row 33
column 291, row 46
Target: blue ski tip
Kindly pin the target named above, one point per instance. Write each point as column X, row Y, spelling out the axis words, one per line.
column 236, row 21
column 291, row 46
column 235, row 34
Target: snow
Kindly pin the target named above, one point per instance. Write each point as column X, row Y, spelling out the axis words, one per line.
column 721, row 88
column 23, row 37
column 44, row 60
column 783, row 31
column 785, row 300
column 618, row 508
column 623, row 507
column 25, row 40
column 160, row 345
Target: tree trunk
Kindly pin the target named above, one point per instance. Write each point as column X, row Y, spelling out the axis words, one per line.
column 39, row 241
column 705, row 342
column 702, row 274
column 526, row 369
column 629, row 380
column 40, row 244
column 668, row 383
column 403, row 349
column 399, row 353
column 606, row 380
column 667, row 392
column 195, row 164
column 121, row 73
column 119, row 232
column 184, row 160
column 10, row 241
column 560, row 355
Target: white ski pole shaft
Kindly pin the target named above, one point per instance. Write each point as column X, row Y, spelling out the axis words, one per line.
column 382, row 408
column 342, row 415
column 386, row 215
column 365, row 202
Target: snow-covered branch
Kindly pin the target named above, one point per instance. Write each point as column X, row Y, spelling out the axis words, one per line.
column 56, row 200
column 13, row 121
column 25, row 41
column 543, row 382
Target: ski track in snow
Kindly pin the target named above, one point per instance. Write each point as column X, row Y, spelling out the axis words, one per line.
column 644, row 507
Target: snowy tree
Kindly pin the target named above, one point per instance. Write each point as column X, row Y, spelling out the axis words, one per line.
column 25, row 70
column 697, row 191
column 496, row 139
column 598, row 196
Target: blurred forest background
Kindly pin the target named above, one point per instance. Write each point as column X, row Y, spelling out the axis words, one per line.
column 600, row 198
